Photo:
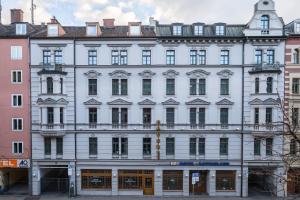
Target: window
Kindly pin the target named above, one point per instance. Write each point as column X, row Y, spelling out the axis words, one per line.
column 177, row 30
column 59, row 146
column 269, row 85
column 193, row 144
column 49, row 85
column 52, row 30
column 270, row 57
column 47, row 146
column 293, row 147
column 17, row 124
column 92, row 86
column 96, row 179
column 295, row 117
column 223, row 146
column 170, row 146
column 295, row 86
column 124, row 146
column 170, row 57
column 296, row 55
column 193, row 86
column 146, row 146
column 193, row 57
column 17, row 147
column 93, row 146
column 16, row 53
column 135, row 30
column 269, row 117
column 123, row 57
column 61, row 85
column 17, row 100
column 224, row 57
column 119, row 114
column 258, row 57
column 50, row 115
column 202, row 57
column 21, row 29
column 256, row 85
column 224, row 87
column 298, row 27
column 130, row 180
column 198, row 30
column 170, row 117
column 146, row 87
column 115, row 57
column 201, row 146
column 61, row 116
column 256, row 146
column 146, row 57
column 16, row 76
column 264, row 22
column 201, row 117
column 224, row 117
column 91, row 30
column 147, row 117
column 170, row 86
column 115, row 146
column 256, row 116
column 269, row 146
column 58, row 57
column 46, row 57
column 172, row 180
column 220, row 30
column 92, row 57
column 193, row 117
column 201, row 87
column 93, row 117
column 225, row 180
column 119, row 87
column 124, row 117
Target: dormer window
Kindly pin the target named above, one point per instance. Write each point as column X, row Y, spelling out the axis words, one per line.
column 135, row 30
column 297, row 28
column 21, row 29
column 177, row 30
column 220, row 30
column 91, row 30
column 265, row 23
column 198, row 30
column 52, row 29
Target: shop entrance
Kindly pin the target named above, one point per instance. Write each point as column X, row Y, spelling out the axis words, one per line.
column 148, row 182
column 293, row 184
column 198, row 185
column 14, row 181
column 54, row 180
column 261, row 182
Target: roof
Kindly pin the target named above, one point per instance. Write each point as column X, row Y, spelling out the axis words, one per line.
column 10, row 30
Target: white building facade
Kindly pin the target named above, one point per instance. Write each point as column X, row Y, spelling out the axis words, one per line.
column 158, row 109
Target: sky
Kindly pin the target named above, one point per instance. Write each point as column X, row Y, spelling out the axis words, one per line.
column 77, row 12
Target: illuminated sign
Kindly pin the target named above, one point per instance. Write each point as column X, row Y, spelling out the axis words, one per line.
column 14, row 163
column 182, row 163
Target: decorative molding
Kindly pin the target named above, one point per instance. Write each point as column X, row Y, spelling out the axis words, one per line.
column 198, row 73
column 147, row 74
column 225, row 102
column 226, row 73
column 197, row 102
column 119, row 102
column 147, row 45
column 170, row 102
column 92, row 74
column 92, row 45
column 92, row 102
column 51, row 45
column 171, row 73
column 147, row 102
column 119, row 74
column 119, row 45
column 50, row 101
column 268, row 101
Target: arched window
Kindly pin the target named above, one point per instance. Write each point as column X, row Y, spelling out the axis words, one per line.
column 296, row 56
column 269, row 85
column 265, row 22
column 49, row 85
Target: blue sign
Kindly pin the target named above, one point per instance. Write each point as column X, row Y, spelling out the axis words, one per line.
column 201, row 163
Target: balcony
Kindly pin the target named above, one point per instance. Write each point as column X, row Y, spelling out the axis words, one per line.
column 52, row 129
column 266, row 68
column 52, row 69
column 273, row 127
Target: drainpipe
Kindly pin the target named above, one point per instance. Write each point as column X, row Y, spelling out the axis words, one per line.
column 75, row 114
column 242, row 128
column 30, row 120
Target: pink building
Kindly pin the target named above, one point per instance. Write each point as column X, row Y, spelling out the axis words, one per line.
column 15, row 140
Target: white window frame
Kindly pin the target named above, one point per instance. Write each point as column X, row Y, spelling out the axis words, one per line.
column 220, row 30
column 297, row 27
column 16, row 52
column 135, row 30
column 91, row 30
column 52, row 30
column 12, row 124
column 177, row 30
column 198, row 30
column 12, row 76
column 17, row 142
column 12, row 100
column 21, row 29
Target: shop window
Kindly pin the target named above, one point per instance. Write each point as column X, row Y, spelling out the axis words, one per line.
column 172, row 180
column 95, row 179
column 225, row 180
column 130, row 179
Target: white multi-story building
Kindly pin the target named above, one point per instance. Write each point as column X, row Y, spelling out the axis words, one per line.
column 156, row 109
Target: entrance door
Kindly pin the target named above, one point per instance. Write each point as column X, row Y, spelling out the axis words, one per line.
column 148, row 183
column 200, row 186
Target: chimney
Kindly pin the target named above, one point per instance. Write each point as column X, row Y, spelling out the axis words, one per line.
column 16, row 15
column 54, row 21
column 109, row 23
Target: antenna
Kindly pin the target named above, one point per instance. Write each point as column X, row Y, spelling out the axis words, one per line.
column 33, row 6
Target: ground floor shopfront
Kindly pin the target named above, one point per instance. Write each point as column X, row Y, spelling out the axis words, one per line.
column 293, row 185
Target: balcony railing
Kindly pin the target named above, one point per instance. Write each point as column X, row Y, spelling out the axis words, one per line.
column 263, row 68
column 264, row 127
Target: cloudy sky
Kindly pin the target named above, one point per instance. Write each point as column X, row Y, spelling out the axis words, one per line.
column 71, row 12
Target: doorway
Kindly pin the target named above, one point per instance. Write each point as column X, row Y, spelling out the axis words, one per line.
column 148, row 182
column 198, row 186
column 55, row 180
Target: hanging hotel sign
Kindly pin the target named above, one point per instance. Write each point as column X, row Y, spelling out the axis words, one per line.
column 182, row 163
column 14, row 163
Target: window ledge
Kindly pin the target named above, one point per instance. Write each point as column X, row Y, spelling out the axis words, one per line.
column 93, row 156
